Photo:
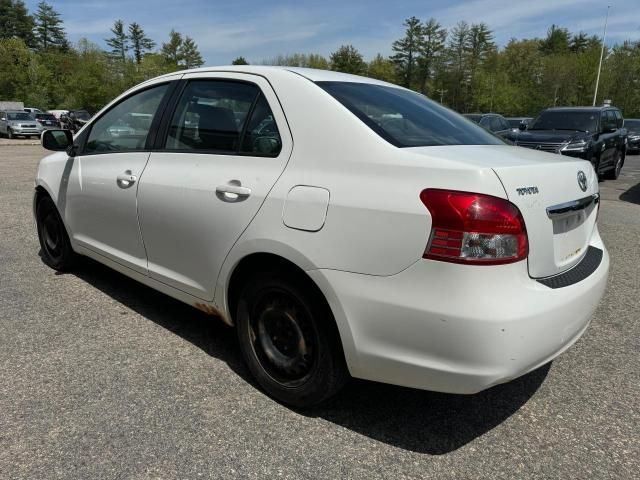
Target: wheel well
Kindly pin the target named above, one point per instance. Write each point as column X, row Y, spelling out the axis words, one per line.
column 265, row 262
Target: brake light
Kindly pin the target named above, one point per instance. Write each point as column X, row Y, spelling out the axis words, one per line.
column 473, row 228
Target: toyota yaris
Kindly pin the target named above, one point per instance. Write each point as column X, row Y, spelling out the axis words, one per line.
column 344, row 226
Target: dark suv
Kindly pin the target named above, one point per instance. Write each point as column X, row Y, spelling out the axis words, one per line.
column 593, row 133
column 633, row 130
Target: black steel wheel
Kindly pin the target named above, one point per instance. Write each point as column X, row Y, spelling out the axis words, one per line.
column 54, row 241
column 289, row 340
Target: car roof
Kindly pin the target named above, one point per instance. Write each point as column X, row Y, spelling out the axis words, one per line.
column 581, row 109
column 313, row 74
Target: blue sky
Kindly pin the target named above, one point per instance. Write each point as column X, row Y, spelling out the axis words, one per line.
column 259, row 29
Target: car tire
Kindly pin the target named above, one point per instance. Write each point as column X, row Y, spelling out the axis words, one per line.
column 289, row 339
column 618, row 161
column 52, row 234
column 595, row 161
column 10, row 134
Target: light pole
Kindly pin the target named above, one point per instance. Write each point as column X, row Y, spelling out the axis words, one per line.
column 604, row 38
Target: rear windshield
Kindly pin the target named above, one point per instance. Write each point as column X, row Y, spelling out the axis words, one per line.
column 566, row 120
column 405, row 118
column 19, row 116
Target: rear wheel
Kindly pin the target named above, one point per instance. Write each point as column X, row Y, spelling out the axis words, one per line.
column 289, row 340
column 614, row 173
column 54, row 241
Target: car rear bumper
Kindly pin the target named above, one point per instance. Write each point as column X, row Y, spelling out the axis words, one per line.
column 457, row 328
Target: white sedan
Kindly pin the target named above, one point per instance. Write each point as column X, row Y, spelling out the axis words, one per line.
column 344, row 226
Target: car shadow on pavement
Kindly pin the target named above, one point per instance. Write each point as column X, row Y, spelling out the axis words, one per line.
column 415, row 420
column 632, row 195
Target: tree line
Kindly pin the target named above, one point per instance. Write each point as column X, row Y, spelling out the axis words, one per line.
column 461, row 67
column 39, row 66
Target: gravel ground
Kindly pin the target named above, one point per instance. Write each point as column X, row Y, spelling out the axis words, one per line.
column 101, row 377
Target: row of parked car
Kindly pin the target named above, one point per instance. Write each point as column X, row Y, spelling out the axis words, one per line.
column 597, row 134
column 31, row 122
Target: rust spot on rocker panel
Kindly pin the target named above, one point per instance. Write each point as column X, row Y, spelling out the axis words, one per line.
column 212, row 311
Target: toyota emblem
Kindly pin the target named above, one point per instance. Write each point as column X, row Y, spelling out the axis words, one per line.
column 582, row 181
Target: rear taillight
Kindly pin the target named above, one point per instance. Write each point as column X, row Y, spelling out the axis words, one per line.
column 474, row 228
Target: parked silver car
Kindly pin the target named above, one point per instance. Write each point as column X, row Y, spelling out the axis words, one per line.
column 16, row 123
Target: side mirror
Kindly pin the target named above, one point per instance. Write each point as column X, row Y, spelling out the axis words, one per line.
column 57, row 140
column 522, row 126
column 4, row 119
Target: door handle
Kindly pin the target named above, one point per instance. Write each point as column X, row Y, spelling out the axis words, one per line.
column 126, row 179
column 232, row 192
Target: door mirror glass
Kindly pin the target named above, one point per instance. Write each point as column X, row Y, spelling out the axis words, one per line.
column 57, row 140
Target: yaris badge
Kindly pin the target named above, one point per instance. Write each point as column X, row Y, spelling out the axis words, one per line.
column 582, row 181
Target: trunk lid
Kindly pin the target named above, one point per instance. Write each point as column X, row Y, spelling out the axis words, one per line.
column 537, row 182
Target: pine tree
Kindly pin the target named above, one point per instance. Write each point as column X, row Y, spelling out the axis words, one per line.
column 579, row 42
column 348, row 59
column 15, row 21
column 557, row 41
column 191, row 57
column 407, row 49
column 140, row 43
column 119, row 43
column 240, row 61
column 171, row 50
column 49, row 31
column 431, row 50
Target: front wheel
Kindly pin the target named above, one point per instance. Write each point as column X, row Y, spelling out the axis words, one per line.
column 54, row 241
column 289, row 340
column 9, row 134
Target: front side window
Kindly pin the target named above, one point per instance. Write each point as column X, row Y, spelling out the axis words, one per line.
column 405, row 118
column 496, row 124
column 125, row 127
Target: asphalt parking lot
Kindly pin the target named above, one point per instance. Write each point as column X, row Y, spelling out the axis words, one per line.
column 101, row 377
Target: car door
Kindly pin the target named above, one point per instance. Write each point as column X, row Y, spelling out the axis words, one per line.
column 225, row 145
column 100, row 202
column 608, row 138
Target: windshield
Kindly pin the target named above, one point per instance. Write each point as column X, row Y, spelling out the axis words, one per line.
column 405, row 118
column 633, row 125
column 566, row 120
column 19, row 116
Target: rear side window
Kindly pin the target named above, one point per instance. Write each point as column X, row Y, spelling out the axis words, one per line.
column 261, row 135
column 223, row 116
column 405, row 118
column 619, row 119
column 125, row 127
